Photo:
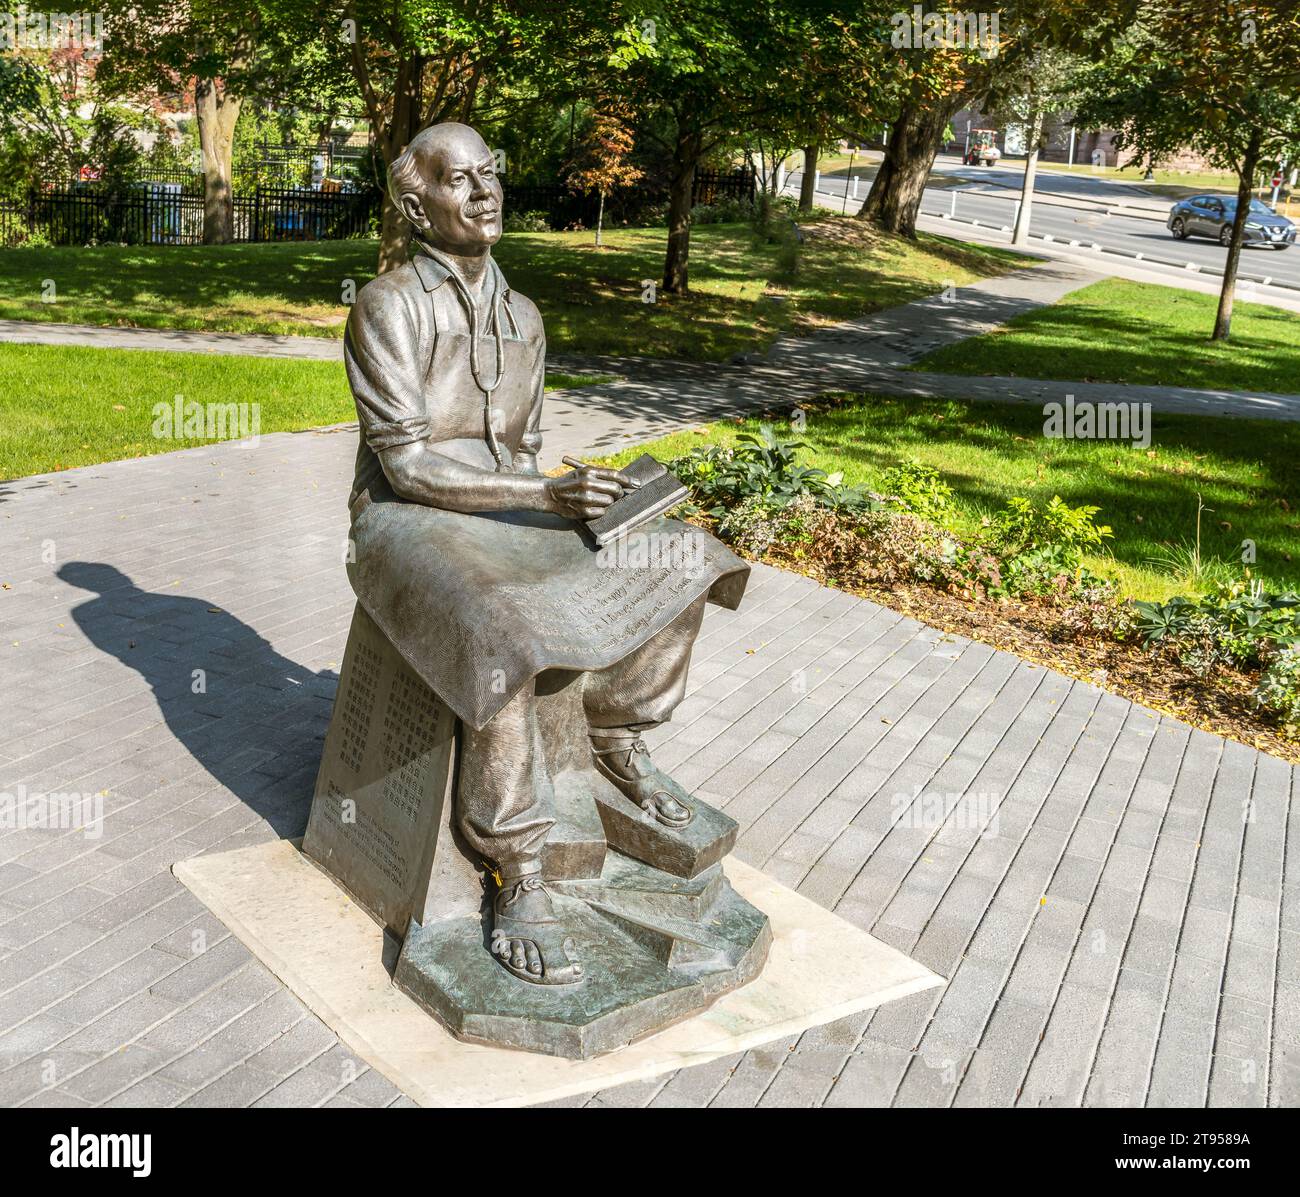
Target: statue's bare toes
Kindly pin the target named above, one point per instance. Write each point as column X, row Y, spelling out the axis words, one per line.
column 537, row 960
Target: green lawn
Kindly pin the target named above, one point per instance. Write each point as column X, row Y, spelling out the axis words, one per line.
column 65, row 406
column 1116, row 331
column 590, row 299
column 1248, row 473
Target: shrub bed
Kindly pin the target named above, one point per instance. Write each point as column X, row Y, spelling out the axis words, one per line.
column 1227, row 661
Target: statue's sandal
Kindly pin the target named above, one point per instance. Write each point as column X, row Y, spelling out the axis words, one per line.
column 517, row 917
column 655, row 793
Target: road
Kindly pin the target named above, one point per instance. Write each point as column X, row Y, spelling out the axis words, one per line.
column 989, row 195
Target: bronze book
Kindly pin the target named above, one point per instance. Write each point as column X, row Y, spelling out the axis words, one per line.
column 658, row 490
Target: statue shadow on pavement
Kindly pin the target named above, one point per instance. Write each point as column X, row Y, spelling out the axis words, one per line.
column 251, row 717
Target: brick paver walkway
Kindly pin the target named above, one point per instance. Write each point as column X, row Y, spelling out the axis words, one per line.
column 1127, row 932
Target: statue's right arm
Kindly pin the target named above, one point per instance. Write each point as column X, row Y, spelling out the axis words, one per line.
column 420, row 474
column 382, row 351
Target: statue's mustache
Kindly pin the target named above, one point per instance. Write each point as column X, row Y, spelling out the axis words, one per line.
column 478, row 207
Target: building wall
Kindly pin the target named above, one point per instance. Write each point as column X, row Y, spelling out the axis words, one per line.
column 1058, row 143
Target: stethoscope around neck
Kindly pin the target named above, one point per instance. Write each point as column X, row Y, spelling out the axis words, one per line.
column 472, row 316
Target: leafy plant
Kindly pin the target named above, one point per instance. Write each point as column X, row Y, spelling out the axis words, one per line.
column 727, row 210
column 1022, row 526
column 525, row 222
column 1238, row 623
column 1279, row 688
column 917, row 488
column 762, row 470
column 1155, row 621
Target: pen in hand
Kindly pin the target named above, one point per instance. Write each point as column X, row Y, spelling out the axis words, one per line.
column 574, row 463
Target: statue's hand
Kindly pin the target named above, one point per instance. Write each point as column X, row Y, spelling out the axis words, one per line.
column 585, row 493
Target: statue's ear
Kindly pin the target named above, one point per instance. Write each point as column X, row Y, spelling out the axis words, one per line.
column 412, row 208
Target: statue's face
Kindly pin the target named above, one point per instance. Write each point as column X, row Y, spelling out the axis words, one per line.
column 460, row 208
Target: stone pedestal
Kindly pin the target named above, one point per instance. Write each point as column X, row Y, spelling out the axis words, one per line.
column 662, row 933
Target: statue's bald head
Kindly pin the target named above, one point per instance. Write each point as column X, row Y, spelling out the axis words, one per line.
column 445, row 184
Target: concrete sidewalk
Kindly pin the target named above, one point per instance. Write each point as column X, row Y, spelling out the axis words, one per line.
column 174, row 340
column 1126, row 932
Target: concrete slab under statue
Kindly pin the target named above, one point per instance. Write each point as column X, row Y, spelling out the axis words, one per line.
column 485, row 794
column 339, row 962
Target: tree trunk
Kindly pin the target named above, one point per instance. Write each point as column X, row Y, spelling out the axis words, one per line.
column 808, row 184
column 1021, row 234
column 394, row 236
column 394, row 231
column 681, row 189
column 600, row 218
column 216, row 114
column 914, row 140
column 1223, row 318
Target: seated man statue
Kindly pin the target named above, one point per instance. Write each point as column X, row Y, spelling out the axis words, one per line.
column 477, row 567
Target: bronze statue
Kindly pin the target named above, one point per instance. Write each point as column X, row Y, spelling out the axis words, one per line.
column 477, row 570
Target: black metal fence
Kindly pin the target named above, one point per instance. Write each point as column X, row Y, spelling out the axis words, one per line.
column 170, row 212
column 291, row 214
column 713, row 185
column 157, row 215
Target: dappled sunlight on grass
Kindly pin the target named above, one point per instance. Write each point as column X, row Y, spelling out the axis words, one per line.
column 740, row 296
column 590, row 299
column 294, row 287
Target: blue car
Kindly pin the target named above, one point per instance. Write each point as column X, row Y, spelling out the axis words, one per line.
column 1212, row 216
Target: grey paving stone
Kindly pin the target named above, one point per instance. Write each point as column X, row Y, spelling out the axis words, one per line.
column 149, row 1092
column 996, row 1070
column 116, row 1071
column 199, row 973
column 304, row 1088
column 869, row 1078
column 752, row 1076
column 242, row 1085
column 630, row 1096
column 932, row 1080
column 1059, row 1072
column 122, row 1024
column 371, row 1088
column 301, row 1043
column 1237, row 1080
column 805, row 1078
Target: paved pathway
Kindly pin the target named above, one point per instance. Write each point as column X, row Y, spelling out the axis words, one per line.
column 1126, row 932
column 869, row 353
column 1120, row 935
column 179, row 340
